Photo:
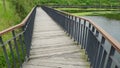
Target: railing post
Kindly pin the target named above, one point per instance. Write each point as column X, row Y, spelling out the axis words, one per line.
column 71, row 26
column 22, row 45
column 79, row 32
column 103, row 54
column 72, row 34
column 75, row 29
column 5, row 53
column 13, row 49
column 109, row 62
column 16, row 47
column 98, row 50
column 91, row 37
column 12, row 53
column 26, row 43
column 97, row 33
column 84, row 33
column 67, row 24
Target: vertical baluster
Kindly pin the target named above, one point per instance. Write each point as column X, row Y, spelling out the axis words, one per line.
column 79, row 34
column 99, row 56
column 97, row 34
column 88, row 41
column 66, row 21
column 12, row 53
column 66, row 26
column 69, row 25
column 96, row 47
column 98, row 50
column 22, row 46
column 86, row 36
column 26, row 41
column 16, row 47
column 81, row 27
column 80, row 31
column 77, row 29
column 90, row 26
column 5, row 52
column 103, row 41
column 72, row 30
column 74, row 33
column 88, row 29
column 28, row 37
column 84, row 33
column 93, row 29
column 109, row 62
column 103, row 59
column 103, row 53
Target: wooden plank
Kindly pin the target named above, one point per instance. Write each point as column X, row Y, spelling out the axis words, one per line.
column 52, row 48
column 59, row 65
column 51, row 45
column 58, row 48
column 51, row 53
column 35, row 66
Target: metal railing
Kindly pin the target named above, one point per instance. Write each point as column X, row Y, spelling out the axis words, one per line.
column 103, row 51
column 15, row 51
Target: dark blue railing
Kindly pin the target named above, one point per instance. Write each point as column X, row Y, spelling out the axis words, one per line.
column 103, row 51
column 15, row 51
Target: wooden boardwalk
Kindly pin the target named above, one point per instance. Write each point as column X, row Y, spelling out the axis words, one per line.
column 52, row 48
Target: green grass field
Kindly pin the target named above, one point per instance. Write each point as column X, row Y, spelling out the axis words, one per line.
column 9, row 17
column 108, row 13
column 16, row 10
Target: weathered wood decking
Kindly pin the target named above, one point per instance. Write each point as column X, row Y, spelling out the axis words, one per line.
column 52, row 48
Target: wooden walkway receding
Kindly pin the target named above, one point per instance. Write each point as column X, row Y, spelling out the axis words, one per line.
column 52, row 48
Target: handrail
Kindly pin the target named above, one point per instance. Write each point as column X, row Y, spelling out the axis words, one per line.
column 19, row 43
column 18, row 25
column 102, row 49
column 112, row 40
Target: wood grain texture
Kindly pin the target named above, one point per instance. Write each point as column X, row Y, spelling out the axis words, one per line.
column 52, row 48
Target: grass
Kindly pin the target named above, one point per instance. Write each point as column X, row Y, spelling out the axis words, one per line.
column 3, row 63
column 94, row 13
column 9, row 17
column 115, row 16
column 68, row 8
column 84, row 9
column 108, row 13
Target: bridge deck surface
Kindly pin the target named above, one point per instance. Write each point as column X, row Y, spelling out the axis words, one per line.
column 52, row 48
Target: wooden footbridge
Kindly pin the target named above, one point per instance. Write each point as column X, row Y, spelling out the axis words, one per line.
column 48, row 38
